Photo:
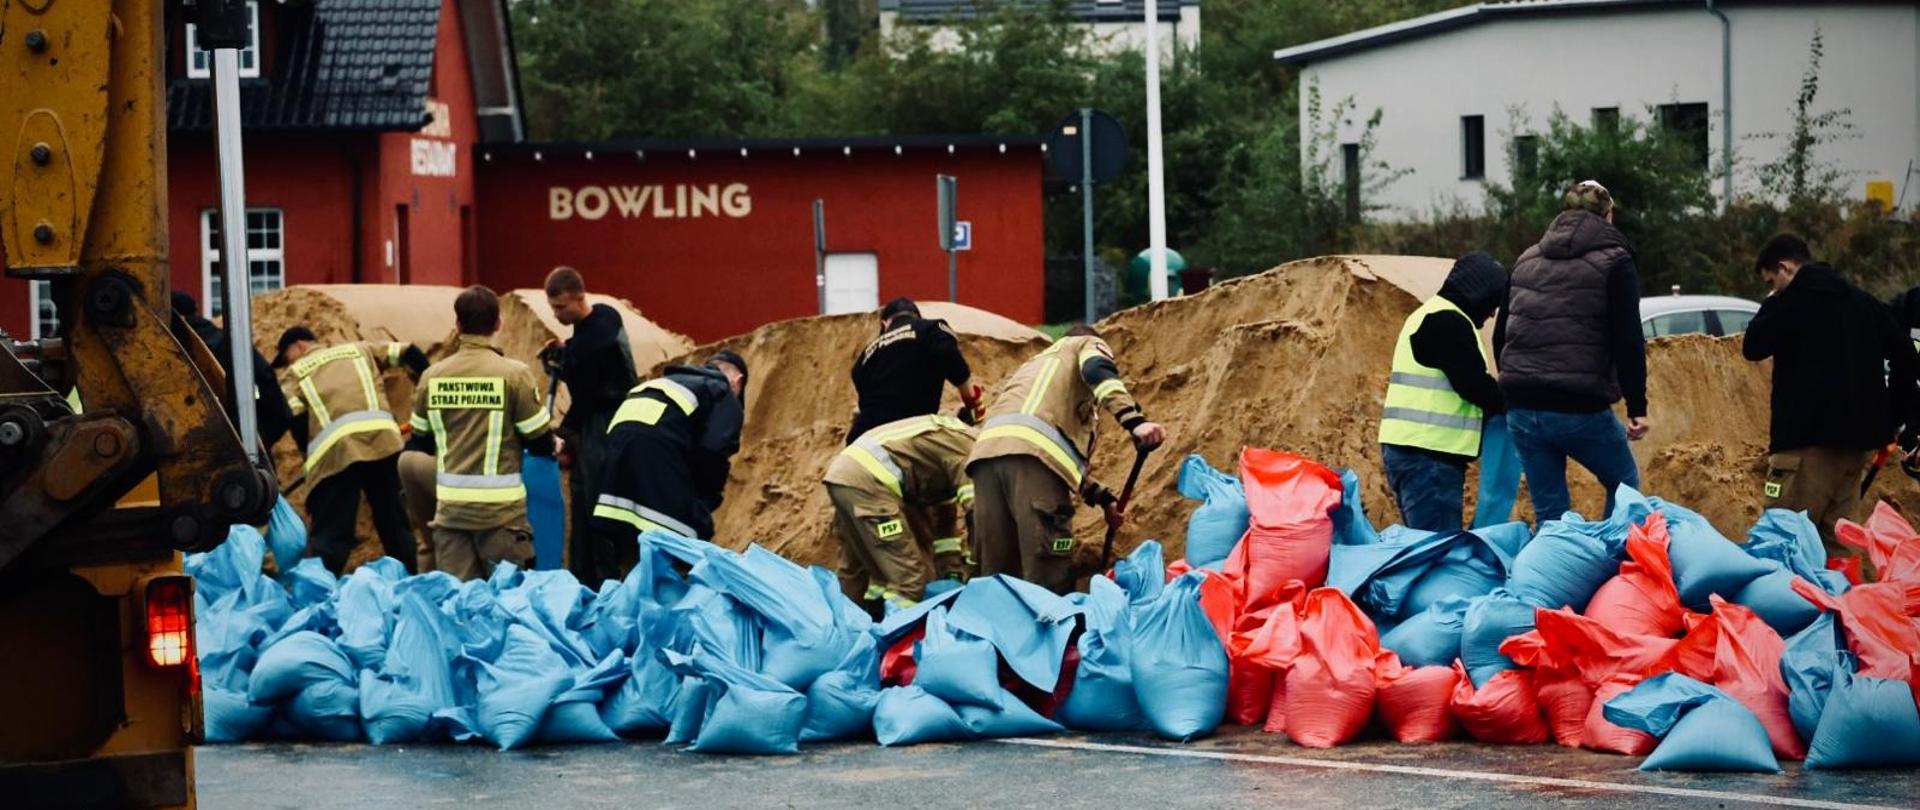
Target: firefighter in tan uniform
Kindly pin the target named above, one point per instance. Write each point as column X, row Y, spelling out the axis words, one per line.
column 350, row 438
column 479, row 410
column 1032, row 456
column 877, row 484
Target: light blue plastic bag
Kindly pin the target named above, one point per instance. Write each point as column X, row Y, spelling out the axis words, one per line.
column 1430, row 638
column 1807, row 666
column 1867, row 723
column 1179, row 665
column 956, row 666
column 1489, row 621
column 1700, row 727
column 415, row 678
column 546, row 509
column 1103, row 694
column 1499, row 474
column 516, row 690
column 286, row 536
column 1222, row 516
column 907, row 715
column 314, row 685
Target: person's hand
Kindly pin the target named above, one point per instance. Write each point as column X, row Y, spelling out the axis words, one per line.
column 1115, row 517
column 1149, row 435
column 1093, row 494
column 1638, row 427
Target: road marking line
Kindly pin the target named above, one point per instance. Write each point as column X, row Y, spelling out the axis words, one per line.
column 1484, row 776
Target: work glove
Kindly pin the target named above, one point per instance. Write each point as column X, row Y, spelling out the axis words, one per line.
column 415, row 361
column 972, row 410
column 1095, row 495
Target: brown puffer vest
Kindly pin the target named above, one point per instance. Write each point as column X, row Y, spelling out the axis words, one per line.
column 1557, row 312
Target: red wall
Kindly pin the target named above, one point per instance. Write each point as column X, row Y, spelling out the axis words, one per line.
column 714, row 276
column 308, row 177
column 435, row 251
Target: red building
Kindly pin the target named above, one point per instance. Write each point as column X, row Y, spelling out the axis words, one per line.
column 383, row 144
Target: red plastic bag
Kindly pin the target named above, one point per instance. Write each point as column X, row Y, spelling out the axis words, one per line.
column 1176, row 568
column 1259, row 654
column 1879, row 618
column 1576, row 646
column 1504, row 711
column 1564, row 698
column 1415, row 703
column 1737, row 652
column 1850, row 567
column 897, row 666
column 1890, row 542
column 1291, row 501
column 1329, row 686
column 1600, row 735
column 1642, row 599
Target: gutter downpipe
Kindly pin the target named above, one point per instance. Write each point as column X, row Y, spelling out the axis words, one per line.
column 1726, row 105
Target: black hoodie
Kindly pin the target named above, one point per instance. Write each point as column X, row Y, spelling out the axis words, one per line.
column 1476, row 284
column 1843, row 369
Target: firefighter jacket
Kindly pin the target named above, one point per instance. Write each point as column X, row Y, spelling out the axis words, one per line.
column 1045, row 410
column 338, row 390
column 669, row 449
column 919, row 461
column 480, row 408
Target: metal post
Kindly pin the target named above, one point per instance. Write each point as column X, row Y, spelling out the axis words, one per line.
column 1086, row 206
column 233, row 245
column 947, row 209
column 953, row 278
column 820, row 252
column 1156, row 173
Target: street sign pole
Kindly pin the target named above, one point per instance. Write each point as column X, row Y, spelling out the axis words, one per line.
column 820, row 252
column 1156, row 176
column 946, row 188
column 1086, row 205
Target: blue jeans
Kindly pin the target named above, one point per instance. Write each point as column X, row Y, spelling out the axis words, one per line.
column 1429, row 490
column 1546, row 439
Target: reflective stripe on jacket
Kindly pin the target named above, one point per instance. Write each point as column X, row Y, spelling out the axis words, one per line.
column 1422, row 410
column 479, row 406
column 338, row 390
column 920, row 460
column 1046, row 409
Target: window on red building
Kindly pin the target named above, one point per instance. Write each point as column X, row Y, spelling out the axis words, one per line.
column 200, row 60
column 266, row 255
column 46, row 316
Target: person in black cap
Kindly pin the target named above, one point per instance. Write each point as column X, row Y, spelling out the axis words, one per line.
column 669, row 449
column 271, row 414
column 900, row 373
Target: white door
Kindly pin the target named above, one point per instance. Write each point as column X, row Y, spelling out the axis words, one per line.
column 853, row 282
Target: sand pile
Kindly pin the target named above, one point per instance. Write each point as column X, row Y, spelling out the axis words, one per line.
column 1297, row 359
column 423, row 315
column 799, row 404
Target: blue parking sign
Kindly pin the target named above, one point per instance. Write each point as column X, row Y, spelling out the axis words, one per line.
column 963, row 235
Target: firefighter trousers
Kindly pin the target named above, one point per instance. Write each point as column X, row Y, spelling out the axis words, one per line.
column 1023, row 521
column 333, row 507
column 472, row 553
column 417, row 484
column 887, row 549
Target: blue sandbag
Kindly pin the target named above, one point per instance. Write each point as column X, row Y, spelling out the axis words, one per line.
column 231, row 566
column 1868, row 723
column 1807, row 666
column 753, row 714
column 644, row 702
column 1772, row 598
column 365, row 612
column 1499, row 474
column 230, row 716
column 1029, row 625
column 804, row 638
column 1789, row 538
column 414, row 680
column 1350, row 524
column 286, row 535
column 1430, row 637
column 313, row 680
column 1565, row 563
column 1705, row 562
column 907, row 715
column 1179, row 664
column 840, row 703
column 515, row 691
column 1468, row 570
column 575, row 714
column 1103, row 695
column 1489, row 621
column 1143, row 573
column 690, row 709
column 546, row 509
column 956, row 666
column 1220, row 520
column 1701, row 728
column 1012, row 719
column 310, row 583
column 1410, row 570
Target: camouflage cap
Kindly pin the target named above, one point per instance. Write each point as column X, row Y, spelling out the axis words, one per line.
column 1588, row 195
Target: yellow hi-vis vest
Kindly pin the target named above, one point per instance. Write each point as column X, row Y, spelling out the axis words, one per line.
column 1422, row 409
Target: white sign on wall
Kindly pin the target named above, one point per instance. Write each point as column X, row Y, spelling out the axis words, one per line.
column 682, row 201
column 434, row 155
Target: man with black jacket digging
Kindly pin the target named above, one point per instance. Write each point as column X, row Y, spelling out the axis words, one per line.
column 1843, row 383
column 1570, row 346
column 901, row 373
column 1440, row 394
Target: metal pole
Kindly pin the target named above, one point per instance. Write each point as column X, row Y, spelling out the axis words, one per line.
column 233, row 245
column 1156, row 176
column 820, row 252
column 953, row 279
column 1086, row 205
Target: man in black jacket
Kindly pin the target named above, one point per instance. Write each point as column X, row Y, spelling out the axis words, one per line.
column 271, row 415
column 1439, row 395
column 1570, row 346
column 669, row 449
column 1843, row 383
column 597, row 366
column 900, row 374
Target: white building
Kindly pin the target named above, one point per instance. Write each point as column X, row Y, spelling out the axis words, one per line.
column 1458, row 89
column 1115, row 26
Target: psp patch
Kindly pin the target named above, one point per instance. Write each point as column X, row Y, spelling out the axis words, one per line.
column 1062, row 545
column 889, row 529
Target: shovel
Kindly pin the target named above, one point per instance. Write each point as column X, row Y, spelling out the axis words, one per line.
column 1140, row 453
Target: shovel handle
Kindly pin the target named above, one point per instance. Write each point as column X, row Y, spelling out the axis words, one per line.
column 1140, row 453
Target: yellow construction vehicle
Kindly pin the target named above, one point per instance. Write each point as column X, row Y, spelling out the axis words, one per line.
column 99, row 686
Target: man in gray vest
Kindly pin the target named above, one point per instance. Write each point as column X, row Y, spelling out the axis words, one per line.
column 1569, row 347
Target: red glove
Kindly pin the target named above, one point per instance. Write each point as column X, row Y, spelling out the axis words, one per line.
column 970, row 408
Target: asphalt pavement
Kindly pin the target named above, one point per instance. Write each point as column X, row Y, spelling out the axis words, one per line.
column 1238, row 768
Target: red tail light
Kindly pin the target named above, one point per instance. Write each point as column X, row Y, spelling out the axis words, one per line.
column 170, row 621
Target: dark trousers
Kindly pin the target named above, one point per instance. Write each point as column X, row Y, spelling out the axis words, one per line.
column 1023, row 521
column 1547, row 439
column 333, row 506
column 583, row 489
column 1431, row 491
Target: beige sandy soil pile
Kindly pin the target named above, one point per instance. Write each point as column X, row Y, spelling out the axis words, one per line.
column 800, row 402
column 423, row 315
column 1297, row 359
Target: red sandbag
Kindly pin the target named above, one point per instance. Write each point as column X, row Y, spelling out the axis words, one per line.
column 1266, row 644
column 1415, row 702
column 897, row 666
column 1565, row 700
column 1290, row 500
column 1329, row 687
column 1178, row 567
column 1849, row 567
column 1642, row 599
column 1737, row 652
column 1600, row 735
column 1581, row 647
column 1880, row 620
column 1505, row 711
column 1890, row 542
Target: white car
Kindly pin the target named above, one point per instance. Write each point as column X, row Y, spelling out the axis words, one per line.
column 1718, row 315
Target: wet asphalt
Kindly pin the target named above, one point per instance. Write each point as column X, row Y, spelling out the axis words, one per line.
column 1238, row 768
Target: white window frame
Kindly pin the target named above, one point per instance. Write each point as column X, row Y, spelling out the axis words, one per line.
column 41, row 295
column 210, row 259
column 200, row 60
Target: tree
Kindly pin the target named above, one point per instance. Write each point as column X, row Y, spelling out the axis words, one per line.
column 1798, row 176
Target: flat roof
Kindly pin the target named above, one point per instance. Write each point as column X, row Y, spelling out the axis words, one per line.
column 1459, row 18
